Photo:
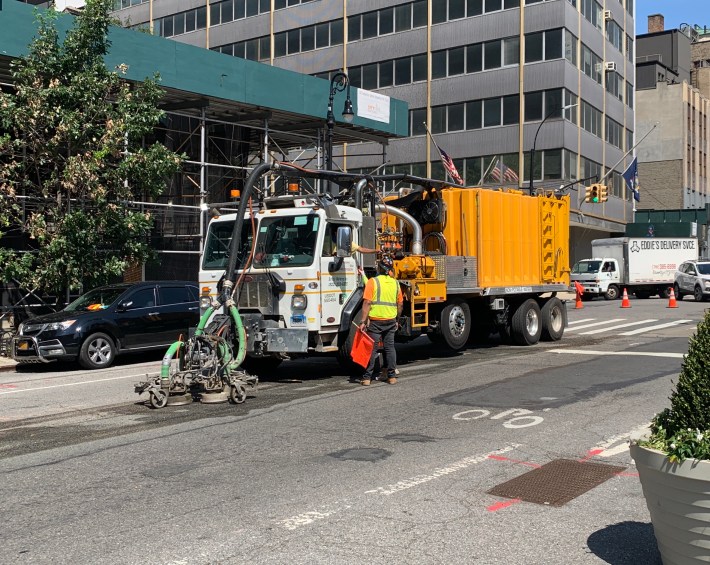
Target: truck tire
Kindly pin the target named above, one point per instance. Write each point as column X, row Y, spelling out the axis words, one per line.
column 612, row 293
column 665, row 292
column 455, row 324
column 676, row 290
column 526, row 324
column 553, row 320
column 97, row 352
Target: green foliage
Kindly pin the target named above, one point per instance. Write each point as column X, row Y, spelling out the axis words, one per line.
column 72, row 146
column 683, row 430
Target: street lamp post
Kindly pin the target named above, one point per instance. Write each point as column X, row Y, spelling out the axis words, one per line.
column 338, row 83
column 532, row 151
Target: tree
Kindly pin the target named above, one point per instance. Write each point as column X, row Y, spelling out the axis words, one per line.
column 72, row 153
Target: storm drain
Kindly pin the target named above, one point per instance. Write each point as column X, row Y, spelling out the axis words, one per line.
column 557, row 482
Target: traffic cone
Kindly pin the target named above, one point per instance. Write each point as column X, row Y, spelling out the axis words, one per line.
column 671, row 300
column 625, row 300
column 578, row 303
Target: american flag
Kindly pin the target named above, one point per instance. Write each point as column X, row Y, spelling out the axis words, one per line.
column 501, row 171
column 448, row 163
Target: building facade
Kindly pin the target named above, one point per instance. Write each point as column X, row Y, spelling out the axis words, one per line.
column 491, row 79
column 673, row 159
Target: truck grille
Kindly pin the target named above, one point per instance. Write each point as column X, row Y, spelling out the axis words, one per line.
column 256, row 293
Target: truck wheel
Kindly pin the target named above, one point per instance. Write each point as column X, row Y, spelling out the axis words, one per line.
column 97, row 352
column 677, row 292
column 455, row 324
column 665, row 292
column 698, row 294
column 553, row 320
column 612, row 293
column 261, row 366
column 526, row 324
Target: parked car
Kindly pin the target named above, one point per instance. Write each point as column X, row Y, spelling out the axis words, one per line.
column 108, row 321
column 692, row 277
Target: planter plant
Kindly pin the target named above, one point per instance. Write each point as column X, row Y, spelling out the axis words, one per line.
column 673, row 460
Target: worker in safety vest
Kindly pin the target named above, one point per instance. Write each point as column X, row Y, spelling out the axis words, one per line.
column 382, row 306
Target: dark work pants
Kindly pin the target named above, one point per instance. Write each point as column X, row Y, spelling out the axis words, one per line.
column 385, row 330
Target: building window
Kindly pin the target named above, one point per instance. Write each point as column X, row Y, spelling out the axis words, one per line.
column 591, row 120
column 614, row 133
column 591, row 64
column 592, row 11
column 615, row 35
column 491, row 112
column 416, row 121
column 533, row 106
column 492, row 55
column 403, row 17
column 438, row 64
column 571, row 48
column 474, row 114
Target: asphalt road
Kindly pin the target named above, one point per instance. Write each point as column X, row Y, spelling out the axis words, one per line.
column 314, row 469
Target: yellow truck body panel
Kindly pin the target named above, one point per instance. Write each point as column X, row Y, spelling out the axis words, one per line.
column 517, row 240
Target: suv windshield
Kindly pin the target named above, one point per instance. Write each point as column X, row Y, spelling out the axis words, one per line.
column 584, row 267
column 287, row 241
column 704, row 268
column 97, row 299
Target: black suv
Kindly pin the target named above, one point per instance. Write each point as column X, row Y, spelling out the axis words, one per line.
column 108, row 321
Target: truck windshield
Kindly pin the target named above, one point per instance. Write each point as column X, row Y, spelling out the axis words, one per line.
column 219, row 236
column 583, row 267
column 287, row 241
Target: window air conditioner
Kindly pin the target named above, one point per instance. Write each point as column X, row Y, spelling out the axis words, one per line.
column 608, row 15
column 610, row 66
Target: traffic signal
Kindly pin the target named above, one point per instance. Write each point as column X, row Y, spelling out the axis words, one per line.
column 603, row 193
column 593, row 194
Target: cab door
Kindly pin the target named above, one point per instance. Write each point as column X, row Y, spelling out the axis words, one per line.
column 338, row 276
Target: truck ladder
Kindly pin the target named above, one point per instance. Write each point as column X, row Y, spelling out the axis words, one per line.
column 547, row 226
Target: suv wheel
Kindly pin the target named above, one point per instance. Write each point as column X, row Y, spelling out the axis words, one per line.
column 97, row 352
column 698, row 294
column 677, row 292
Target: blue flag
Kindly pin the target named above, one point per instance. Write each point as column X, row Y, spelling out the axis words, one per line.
column 631, row 176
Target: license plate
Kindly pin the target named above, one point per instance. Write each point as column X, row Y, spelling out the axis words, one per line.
column 23, row 345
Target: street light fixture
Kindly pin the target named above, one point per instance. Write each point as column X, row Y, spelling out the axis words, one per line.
column 532, row 151
column 338, row 83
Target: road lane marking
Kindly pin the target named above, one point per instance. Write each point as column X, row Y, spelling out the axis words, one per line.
column 657, row 327
column 441, row 472
column 72, row 384
column 580, row 321
column 619, row 443
column 574, row 329
column 629, row 353
column 618, row 327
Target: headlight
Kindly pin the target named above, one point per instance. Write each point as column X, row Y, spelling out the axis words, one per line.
column 707, row 285
column 299, row 302
column 54, row 326
column 205, row 302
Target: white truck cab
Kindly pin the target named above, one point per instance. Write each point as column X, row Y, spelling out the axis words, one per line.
column 600, row 276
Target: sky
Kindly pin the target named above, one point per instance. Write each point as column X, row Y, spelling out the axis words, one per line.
column 675, row 12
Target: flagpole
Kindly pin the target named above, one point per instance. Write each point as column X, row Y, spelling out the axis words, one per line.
column 430, row 136
column 488, row 170
column 611, row 170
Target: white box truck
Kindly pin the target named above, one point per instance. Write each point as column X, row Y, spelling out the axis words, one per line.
column 642, row 265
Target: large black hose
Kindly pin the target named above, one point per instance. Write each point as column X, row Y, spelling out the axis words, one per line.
column 235, row 244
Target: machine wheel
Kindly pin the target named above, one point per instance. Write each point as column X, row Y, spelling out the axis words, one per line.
column 677, row 292
column 526, row 323
column 612, row 293
column 158, row 399
column 261, row 366
column 97, row 352
column 553, row 320
column 698, row 294
column 455, row 324
column 237, row 394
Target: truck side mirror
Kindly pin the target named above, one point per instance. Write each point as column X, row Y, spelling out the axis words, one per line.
column 344, row 241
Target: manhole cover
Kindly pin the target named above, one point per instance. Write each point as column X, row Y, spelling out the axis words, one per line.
column 557, row 482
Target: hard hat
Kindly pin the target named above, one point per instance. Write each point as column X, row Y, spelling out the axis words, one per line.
column 386, row 263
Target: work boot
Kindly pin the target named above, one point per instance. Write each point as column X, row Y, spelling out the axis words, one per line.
column 365, row 382
column 392, row 381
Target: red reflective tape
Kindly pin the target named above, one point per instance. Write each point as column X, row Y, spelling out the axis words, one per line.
column 501, row 458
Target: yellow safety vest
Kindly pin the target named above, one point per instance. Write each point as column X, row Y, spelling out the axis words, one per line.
column 384, row 299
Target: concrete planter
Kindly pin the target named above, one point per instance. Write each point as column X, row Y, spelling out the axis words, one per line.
column 678, row 499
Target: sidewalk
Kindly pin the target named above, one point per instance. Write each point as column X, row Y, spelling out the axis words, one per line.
column 7, row 364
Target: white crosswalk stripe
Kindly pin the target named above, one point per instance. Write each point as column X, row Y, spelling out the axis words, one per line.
column 618, row 327
column 587, row 323
column 575, row 328
column 657, row 327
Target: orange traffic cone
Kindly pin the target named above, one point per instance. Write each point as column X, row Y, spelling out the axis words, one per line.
column 625, row 300
column 578, row 302
column 671, row 300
